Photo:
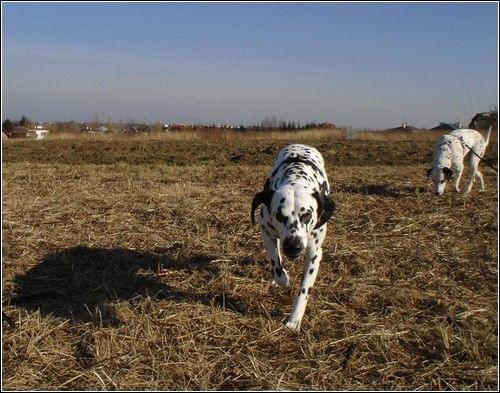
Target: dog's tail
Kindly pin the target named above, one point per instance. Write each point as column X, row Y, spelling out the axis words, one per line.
column 488, row 136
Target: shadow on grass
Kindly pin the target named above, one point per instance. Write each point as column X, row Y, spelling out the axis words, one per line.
column 80, row 283
column 382, row 190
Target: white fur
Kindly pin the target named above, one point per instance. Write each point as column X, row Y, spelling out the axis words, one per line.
column 293, row 186
column 449, row 154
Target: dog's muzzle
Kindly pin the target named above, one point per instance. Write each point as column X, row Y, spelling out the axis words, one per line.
column 293, row 247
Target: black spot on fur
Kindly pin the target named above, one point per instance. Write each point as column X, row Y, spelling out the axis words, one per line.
column 313, row 258
column 297, row 158
column 303, row 290
column 280, row 217
column 311, row 271
column 294, row 225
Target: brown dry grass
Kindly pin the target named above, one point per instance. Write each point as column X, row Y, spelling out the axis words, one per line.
column 235, row 136
column 124, row 271
column 211, row 134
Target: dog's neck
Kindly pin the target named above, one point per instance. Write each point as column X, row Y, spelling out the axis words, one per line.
column 443, row 156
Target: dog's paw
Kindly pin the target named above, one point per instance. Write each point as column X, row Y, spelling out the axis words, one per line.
column 282, row 279
column 294, row 326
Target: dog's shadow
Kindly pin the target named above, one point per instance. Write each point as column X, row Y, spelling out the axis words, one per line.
column 80, row 283
column 383, row 190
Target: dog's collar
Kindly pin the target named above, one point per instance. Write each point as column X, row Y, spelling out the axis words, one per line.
column 444, row 143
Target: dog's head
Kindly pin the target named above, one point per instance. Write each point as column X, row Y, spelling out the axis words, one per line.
column 439, row 175
column 294, row 214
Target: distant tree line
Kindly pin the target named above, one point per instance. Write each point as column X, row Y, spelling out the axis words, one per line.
column 8, row 125
column 272, row 123
column 269, row 123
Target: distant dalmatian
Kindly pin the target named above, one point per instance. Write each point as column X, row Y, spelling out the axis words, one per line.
column 449, row 154
column 293, row 216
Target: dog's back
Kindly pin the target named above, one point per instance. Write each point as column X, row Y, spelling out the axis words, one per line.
column 298, row 163
column 470, row 137
column 299, row 150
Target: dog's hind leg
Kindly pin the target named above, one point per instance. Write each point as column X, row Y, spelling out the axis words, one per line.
column 311, row 267
column 273, row 249
column 474, row 163
column 478, row 173
column 481, row 180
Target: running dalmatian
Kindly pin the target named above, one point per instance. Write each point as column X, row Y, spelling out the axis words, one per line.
column 450, row 152
column 296, row 207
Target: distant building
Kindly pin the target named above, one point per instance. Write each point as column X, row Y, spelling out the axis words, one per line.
column 85, row 127
column 403, row 127
column 178, row 127
column 18, row 132
column 41, row 134
column 134, row 128
column 447, row 126
column 38, row 132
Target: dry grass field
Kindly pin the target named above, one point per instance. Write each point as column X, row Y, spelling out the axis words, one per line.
column 132, row 264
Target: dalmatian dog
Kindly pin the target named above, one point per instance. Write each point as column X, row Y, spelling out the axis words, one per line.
column 293, row 216
column 449, row 154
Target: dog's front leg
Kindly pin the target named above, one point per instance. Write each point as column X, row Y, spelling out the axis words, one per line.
column 311, row 267
column 272, row 246
column 460, row 170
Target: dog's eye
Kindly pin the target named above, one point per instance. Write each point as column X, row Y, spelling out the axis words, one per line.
column 280, row 217
column 305, row 218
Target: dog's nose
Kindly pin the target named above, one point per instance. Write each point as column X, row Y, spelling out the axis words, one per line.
column 292, row 246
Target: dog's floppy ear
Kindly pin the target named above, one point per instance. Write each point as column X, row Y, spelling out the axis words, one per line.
column 264, row 197
column 448, row 173
column 326, row 207
column 429, row 172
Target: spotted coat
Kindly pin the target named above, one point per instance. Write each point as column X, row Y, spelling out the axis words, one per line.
column 295, row 206
column 449, row 154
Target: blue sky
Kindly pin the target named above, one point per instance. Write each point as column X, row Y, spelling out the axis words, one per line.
column 366, row 65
